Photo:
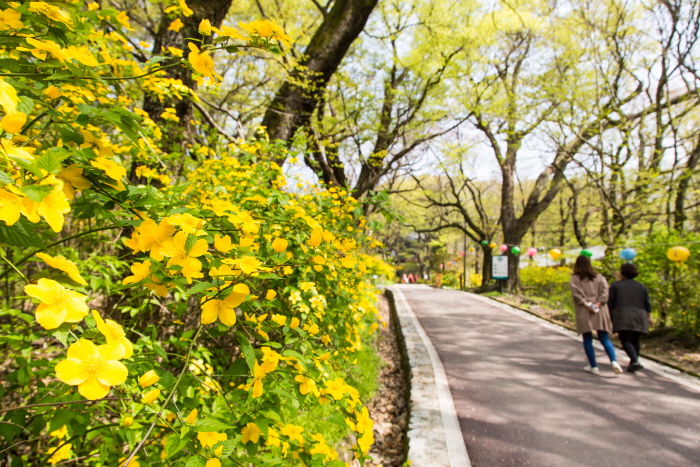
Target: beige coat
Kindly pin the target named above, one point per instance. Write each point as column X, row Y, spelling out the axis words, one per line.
column 595, row 291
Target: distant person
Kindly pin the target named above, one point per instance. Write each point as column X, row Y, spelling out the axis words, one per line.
column 590, row 292
column 404, row 278
column 630, row 310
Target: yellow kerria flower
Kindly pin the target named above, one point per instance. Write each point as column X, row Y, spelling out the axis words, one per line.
column 306, row 385
column 188, row 223
column 13, row 122
column 192, row 417
column 132, row 463
column 179, row 255
column 364, row 422
column 257, row 384
column 72, row 178
column 92, row 368
column 201, row 62
column 151, row 396
column 176, row 25
column 251, row 433
column 279, row 245
column 9, row 19
column 59, row 455
column 223, row 244
column 43, row 48
column 247, row 223
column 60, row 433
column 150, row 236
column 10, row 207
column 205, row 27
column 51, row 208
column 8, row 97
column 273, row 437
column 149, row 378
column 213, row 462
column 224, row 309
column 248, row 264
column 140, row 271
column 67, row 266
column 316, row 237
column 293, row 432
column 51, row 12
column 233, row 33
column 111, row 168
column 336, row 388
column 366, row 441
column 270, row 295
column 115, row 336
column 294, row 323
column 58, row 304
column 82, row 54
column 210, row 438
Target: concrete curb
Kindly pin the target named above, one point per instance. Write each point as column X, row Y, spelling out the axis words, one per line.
column 434, row 436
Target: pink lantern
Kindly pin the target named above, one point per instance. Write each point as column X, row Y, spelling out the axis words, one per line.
column 503, row 248
column 531, row 252
column 461, row 253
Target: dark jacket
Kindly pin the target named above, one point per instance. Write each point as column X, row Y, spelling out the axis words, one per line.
column 629, row 306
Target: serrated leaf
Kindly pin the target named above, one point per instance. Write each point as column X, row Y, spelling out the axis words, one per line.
column 21, row 234
column 196, row 461
column 228, row 447
column 211, row 424
column 5, row 179
column 199, row 287
column 174, row 443
column 51, row 161
column 337, row 419
column 82, row 120
column 25, row 105
column 247, row 350
column 61, row 417
column 37, row 193
column 155, row 59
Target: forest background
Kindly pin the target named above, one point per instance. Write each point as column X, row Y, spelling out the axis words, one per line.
column 232, row 178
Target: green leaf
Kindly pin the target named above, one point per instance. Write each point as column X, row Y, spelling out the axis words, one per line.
column 212, row 424
column 174, row 443
column 155, row 59
column 228, row 447
column 61, row 417
column 199, row 287
column 196, row 461
column 21, row 234
column 5, row 179
column 337, row 419
column 37, row 193
column 82, row 120
column 247, row 351
column 51, row 160
column 25, row 105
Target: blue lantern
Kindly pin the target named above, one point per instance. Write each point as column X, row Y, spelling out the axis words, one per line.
column 628, row 254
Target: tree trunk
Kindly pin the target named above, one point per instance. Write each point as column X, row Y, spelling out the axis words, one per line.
column 296, row 100
column 679, row 215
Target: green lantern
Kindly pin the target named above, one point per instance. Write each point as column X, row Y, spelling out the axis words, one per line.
column 484, row 242
column 515, row 250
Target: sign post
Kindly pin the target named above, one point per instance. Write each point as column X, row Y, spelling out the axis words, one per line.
column 499, row 269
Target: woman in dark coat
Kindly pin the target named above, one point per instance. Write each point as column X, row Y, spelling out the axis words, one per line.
column 630, row 310
column 590, row 292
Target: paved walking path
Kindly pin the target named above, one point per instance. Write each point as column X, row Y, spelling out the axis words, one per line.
column 522, row 398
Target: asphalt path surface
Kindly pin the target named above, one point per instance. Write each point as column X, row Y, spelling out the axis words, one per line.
column 522, row 397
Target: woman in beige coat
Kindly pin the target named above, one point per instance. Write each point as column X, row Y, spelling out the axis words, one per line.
column 590, row 292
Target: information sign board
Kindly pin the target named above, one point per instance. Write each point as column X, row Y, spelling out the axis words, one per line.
column 499, row 267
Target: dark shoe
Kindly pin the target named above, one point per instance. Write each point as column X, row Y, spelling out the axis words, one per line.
column 634, row 367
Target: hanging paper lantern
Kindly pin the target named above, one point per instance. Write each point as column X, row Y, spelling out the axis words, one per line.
column 628, row 254
column 678, row 254
column 471, row 249
column 588, row 253
column 515, row 250
column 484, row 243
column 503, row 248
column 461, row 253
column 493, row 245
column 555, row 253
column 531, row 252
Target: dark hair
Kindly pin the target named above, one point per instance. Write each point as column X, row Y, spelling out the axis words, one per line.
column 583, row 268
column 629, row 271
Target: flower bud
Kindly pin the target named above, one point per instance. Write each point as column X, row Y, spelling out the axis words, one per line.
column 149, row 378
column 279, row 245
column 128, row 421
column 192, row 417
column 150, row 396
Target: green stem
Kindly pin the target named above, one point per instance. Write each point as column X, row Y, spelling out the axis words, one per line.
column 52, row 404
column 58, row 242
column 167, row 401
column 106, row 78
column 13, row 266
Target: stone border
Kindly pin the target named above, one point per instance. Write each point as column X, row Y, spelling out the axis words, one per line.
column 434, row 436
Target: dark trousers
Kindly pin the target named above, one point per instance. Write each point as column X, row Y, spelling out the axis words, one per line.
column 630, row 342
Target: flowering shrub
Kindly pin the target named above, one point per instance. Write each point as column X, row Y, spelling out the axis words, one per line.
column 546, row 280
column 209, row 316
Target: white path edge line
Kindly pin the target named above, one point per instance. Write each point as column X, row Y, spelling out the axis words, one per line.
column 456, row 449
column 677, row 376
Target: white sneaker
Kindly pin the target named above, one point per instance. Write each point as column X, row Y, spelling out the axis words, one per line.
column 591, row 369
column 617, row 368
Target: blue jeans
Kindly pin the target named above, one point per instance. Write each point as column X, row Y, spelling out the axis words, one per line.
column 604, row 339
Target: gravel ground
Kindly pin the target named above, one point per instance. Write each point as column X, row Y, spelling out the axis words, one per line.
column 388, row 409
